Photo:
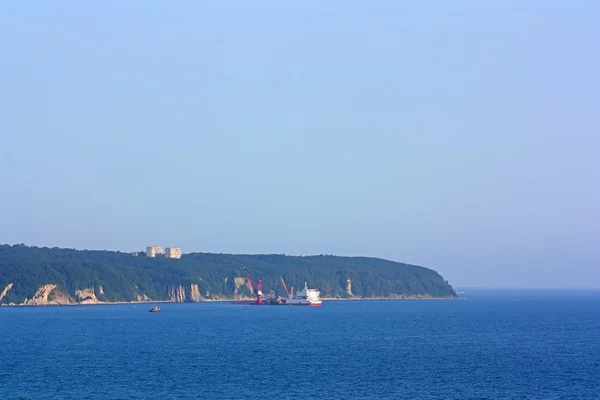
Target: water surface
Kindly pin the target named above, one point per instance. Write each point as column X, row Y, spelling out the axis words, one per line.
column 490, row 345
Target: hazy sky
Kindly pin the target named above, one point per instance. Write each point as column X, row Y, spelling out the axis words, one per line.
column 463, row 136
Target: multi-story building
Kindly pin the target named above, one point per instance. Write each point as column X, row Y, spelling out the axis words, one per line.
column 173, row 252
column 152, row 251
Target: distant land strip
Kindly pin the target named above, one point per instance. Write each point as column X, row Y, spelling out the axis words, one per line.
column 33, row 276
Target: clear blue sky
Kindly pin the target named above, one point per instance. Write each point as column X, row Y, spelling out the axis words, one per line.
column 463, row 136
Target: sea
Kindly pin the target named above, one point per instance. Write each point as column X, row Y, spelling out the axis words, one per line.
column 489, row 344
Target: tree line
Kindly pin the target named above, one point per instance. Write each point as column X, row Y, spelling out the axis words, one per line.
column 124, row 276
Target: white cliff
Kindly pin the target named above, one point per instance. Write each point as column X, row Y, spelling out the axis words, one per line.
column 5, row 291
column 86, row 296
column 49, row 294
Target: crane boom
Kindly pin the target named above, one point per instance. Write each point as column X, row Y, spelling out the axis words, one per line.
column 249, row 279
column 284, row 286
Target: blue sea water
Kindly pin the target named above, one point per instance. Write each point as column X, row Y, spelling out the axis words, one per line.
column 501, row 344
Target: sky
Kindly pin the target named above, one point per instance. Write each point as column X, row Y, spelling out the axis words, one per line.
column 462, row 136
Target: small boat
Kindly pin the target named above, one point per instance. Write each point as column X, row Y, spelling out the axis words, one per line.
column 155, row 309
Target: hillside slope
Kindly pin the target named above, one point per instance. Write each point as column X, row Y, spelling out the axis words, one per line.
column 34, row 275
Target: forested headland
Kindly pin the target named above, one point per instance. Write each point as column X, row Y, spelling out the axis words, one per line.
column 41, row 275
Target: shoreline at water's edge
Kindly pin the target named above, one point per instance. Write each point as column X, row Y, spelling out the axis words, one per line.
column 389, row 298
column 221, row 301
column 100, row 303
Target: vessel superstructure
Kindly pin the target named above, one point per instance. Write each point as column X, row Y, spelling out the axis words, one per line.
column 304, row 297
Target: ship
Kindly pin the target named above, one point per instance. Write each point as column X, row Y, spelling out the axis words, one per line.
column 304, row 297
column 155, row 308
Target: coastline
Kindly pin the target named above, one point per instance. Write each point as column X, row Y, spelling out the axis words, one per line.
column 390, row 298
column 54, row 304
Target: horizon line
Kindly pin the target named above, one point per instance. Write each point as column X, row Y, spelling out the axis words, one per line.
column 549, row 287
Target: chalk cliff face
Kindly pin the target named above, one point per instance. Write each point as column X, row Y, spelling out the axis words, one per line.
column 349, row 287
column 177, row 293
column 143, row 298
column 241, row 282
column 184, row 294
column 5, row 291
column 86, row 296
column 195, row 293
column 49, row 294
column 53, row 294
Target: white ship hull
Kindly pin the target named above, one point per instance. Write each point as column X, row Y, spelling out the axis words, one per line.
column 302, row 302
column 305, row 297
